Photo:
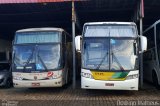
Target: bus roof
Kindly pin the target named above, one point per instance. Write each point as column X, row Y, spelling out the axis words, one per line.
column 40, row 29
column 101, row 23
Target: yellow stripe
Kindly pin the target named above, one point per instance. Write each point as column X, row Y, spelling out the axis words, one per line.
column 102, row 75
column 105, row 76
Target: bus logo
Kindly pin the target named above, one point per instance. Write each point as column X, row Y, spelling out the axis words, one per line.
column 99, row 74
column 35, row 77
column 50, row 74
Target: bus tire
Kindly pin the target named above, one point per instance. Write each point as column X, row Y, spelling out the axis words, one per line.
column 155, row 80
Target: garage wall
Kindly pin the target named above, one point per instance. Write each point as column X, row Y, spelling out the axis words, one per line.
column 5, row 45
column 5, row 49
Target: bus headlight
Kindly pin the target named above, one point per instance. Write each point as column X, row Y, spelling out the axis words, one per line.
column 134, row 76
column 17, row 78
column 86, row 75
column 55, row 77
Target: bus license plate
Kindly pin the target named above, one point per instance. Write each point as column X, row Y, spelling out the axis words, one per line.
column 109, row 84
column 35, row 84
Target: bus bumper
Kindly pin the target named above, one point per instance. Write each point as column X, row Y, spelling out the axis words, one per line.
column 131, row 84
column 39, row 83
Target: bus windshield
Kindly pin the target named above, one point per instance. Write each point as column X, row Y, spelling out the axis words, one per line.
column 102, row 53
column 49, row 55
column 36, row 58
column 96, row 50
column 122, row 54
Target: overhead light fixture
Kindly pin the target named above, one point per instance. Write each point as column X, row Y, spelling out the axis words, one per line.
column 44, row 4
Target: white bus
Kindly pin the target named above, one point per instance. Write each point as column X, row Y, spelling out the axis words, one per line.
column 41, row 58
column 152, row 55
column 109, row 53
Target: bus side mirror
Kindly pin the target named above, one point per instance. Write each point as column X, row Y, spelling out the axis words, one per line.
column 135, row 48
column 143, row 43
column 78, row 43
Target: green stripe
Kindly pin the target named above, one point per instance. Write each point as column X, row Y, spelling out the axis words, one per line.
column 120, row 75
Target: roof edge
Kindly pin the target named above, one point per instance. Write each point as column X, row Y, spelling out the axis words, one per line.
column 122, row 23
column 40, row 29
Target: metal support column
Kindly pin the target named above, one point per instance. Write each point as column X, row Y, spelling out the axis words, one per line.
column 141, row 56
column 73, row 44
column 141, row 33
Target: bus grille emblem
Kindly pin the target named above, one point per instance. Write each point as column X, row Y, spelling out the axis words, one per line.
column 35, row 77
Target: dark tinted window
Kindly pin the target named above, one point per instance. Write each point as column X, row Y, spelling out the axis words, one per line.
column 150, row 38
column 2, row 56
column 4, row 66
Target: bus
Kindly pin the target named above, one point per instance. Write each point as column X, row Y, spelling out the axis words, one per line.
column 110, row 55
column 41, row 58
column 152, row 55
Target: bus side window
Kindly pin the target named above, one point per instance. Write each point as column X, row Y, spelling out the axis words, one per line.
column 64, row 38
column 67, row 38
column 64, row 47
column 151, row 38
column 148, row 55
column 158, row 40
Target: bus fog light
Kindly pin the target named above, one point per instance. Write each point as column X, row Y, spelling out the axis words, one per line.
column 134, row 76
column 86, row 75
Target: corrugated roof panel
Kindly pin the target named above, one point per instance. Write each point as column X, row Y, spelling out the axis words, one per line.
column 32, row 1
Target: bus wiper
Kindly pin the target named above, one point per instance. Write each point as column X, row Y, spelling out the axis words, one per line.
column 42, row 62
column 119, row 64
column 99, row 65
column 29, row 59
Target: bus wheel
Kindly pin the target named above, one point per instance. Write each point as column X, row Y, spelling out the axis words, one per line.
column 155, row 81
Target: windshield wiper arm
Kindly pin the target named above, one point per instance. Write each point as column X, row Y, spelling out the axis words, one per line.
column 29, row 59
column 121, row 67
column 42, row 62
column 99, row 65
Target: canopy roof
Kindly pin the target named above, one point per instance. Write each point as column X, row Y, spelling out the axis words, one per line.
column 22, row 14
